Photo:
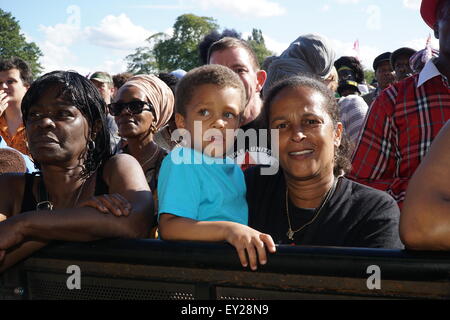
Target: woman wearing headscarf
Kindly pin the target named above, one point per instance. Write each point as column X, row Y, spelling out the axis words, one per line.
column 309, row 54
column 142, row 106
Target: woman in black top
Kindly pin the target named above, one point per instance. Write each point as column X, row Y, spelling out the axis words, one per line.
column 309, row 202
column 69, row 141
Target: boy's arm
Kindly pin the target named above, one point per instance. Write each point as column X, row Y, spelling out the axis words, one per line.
column 247, row 241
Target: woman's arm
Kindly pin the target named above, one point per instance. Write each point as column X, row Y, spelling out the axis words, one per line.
column 247, row 241
column 425, row 219
column 124, row 176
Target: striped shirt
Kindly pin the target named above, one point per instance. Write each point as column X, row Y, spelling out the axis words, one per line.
column 353, row 110
column 400, row 127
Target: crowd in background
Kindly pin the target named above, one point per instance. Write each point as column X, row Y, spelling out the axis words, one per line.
column 360, row 164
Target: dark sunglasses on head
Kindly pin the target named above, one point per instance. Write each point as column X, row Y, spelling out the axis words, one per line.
column 135, row 107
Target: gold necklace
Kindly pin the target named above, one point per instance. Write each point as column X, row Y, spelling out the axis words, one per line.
column 47, row 204
column 151, row 157
column 290, row 234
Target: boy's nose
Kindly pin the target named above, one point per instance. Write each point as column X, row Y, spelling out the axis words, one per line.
column 219, row 123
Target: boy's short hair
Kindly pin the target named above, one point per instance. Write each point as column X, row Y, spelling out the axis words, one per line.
column 17, row 63
column 214, row 74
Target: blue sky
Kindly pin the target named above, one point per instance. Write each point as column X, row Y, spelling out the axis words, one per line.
column 90, row 35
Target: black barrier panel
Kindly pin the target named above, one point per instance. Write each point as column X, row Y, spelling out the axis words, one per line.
column 153, row 270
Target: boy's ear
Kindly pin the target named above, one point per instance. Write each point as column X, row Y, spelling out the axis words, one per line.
column 179, row 120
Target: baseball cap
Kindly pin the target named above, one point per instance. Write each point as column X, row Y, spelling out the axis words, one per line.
column 402, row 51
column 381, row 58
column 101, row 77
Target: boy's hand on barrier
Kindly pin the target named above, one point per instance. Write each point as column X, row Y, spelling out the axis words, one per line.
column 109, row 203
column 2, row 255
column 250, row 245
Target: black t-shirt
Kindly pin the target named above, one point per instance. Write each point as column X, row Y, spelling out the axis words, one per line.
column 355, row 216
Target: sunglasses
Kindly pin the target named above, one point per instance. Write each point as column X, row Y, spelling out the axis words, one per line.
column 135, row 107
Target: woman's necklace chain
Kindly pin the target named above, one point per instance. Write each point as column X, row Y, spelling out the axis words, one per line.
column 290, row 234
column 48, row 205
column 151, row 157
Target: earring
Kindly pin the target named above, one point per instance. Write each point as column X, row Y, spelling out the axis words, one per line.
column 91, row 145
column 153, row 128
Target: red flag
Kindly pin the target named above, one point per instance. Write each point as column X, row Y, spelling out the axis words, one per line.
column 356, row 49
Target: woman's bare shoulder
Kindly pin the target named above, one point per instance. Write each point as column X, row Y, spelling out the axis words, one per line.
column 124, row 169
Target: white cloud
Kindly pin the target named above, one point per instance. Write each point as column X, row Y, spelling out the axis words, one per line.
column 247, row 8
column 347, row 1
column 62, row 34
column 366, row 53
column 325, row 8
column 118, row 32
column 113, row 66
column 374, row 18
column 56, row 57
column 274, row 45
column 412, row 4
column 420, row 43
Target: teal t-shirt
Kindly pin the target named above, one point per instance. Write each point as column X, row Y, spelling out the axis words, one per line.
column 195, row 186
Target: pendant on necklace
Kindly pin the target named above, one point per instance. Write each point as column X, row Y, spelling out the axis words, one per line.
column 290, row 234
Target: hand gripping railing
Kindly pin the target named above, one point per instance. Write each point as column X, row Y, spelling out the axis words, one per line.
column 153, row 269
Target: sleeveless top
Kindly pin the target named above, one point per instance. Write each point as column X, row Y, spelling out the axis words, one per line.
column 29, row 202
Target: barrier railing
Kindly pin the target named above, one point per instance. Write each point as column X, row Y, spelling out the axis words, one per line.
column 152, row 269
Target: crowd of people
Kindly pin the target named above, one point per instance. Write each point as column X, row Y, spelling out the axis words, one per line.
column 158, row 156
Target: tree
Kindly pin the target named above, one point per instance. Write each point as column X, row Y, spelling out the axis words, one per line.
column 181, row 50
column 143, row 61
column 369, row 75
column 14, row 44
column 257, row 42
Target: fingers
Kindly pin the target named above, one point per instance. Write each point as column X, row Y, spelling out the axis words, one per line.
column 3, row 101
column 2, row 255
column 253, row 251
column 242, row 256
column 268, row 241
column 115, row 204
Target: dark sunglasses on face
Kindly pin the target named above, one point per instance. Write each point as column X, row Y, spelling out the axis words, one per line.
column 135, row 107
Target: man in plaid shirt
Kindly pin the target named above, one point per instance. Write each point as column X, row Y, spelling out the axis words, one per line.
column 403, row 121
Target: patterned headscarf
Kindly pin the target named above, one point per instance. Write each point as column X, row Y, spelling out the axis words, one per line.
column 308, row 54
column 157, row 93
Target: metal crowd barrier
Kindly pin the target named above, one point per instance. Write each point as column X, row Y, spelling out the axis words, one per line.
column 158, row 270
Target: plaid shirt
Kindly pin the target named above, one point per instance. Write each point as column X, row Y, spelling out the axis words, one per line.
column 399, row 129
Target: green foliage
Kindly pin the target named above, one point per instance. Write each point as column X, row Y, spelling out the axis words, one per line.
column 369, row 75
column 143, row 61
column 180, row 51
column 256, row 41
column 13, row 43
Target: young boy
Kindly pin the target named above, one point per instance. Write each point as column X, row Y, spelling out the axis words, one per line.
column 201, row 194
